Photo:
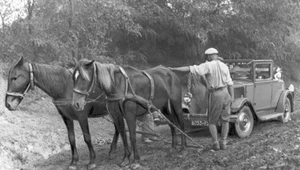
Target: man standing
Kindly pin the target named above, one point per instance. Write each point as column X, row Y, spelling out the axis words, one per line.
column 220, row 93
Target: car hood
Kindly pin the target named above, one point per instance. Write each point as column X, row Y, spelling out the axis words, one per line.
column 238, row 83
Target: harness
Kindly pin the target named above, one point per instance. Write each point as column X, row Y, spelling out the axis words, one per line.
column 129, row 94
column 29, row 86
column 122, row 98
column 86, row 93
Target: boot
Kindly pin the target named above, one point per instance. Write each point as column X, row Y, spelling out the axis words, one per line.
column 214, row 134
column 224, row 134
column 216, row 146
column 223, row 144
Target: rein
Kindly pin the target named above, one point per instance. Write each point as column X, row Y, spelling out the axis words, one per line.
column 29, row 86
column 69, row 101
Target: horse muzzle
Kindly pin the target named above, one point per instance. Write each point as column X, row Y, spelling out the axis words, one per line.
column 12, row 102
column 78, row 102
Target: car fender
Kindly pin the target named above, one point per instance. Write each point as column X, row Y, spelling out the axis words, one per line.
column 238, row 103
column 281, row 100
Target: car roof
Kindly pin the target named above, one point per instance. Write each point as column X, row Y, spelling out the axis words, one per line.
column 246, row 60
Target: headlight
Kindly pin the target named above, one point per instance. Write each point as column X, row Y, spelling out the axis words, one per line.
column 187, row 99
column 291, row 88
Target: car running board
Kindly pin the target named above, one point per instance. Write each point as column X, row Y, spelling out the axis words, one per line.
column 270, row 116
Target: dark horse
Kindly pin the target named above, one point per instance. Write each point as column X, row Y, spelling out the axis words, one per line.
column 159, row 86
column 57, row 83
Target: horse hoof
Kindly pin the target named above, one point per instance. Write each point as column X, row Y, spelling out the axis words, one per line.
column 183, row 153
column 72, row 167
column 182, row 149
column 124, row 163
column 91, row 166
column 172, row 150
column 135, row 166
column 112, row 155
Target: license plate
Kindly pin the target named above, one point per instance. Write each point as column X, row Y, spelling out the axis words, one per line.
column 199, row 123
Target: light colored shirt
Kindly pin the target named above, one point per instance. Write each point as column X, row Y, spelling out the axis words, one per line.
column 217, row 72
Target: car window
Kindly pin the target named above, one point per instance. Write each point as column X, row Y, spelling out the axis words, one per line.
column 240, row 70
column 262, row 71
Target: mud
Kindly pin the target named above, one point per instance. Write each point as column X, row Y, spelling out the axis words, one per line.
column 35, row 137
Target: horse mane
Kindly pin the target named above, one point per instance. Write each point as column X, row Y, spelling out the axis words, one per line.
column 106, row 75
column 130, row 67
column 58, row 76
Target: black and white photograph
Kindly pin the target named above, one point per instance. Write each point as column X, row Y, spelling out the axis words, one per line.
column 149, row 84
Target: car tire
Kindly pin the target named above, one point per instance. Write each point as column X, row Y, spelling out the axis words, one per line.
column 287, row 111
column 244, row 122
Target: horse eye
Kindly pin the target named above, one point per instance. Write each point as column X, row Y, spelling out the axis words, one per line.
column 14, row 79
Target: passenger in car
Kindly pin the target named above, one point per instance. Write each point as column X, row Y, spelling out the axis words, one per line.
column 277, row 75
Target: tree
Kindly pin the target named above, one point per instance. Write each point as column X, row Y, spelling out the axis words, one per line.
column 152, row 32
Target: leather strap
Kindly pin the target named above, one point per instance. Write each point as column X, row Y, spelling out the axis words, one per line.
column 152, row 90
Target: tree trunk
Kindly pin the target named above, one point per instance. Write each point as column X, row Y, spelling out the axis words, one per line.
column 30, row 6
column 3, row 24
column 73, row 39
column 29, row 17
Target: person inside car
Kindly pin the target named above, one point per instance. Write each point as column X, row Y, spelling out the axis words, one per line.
column 277, row 75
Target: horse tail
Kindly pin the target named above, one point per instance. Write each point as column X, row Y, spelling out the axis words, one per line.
column 174, row 102
column 178, row 119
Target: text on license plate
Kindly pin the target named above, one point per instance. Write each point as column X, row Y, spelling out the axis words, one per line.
column 199, row 123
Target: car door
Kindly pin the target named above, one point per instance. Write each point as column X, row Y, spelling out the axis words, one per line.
column 262, row 86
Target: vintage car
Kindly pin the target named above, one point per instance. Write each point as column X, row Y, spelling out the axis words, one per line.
column 257, row 97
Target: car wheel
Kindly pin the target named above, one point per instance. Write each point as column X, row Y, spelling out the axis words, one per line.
column 287, row 111
column 244, row 122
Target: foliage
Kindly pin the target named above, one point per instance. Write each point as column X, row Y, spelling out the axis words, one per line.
column 152, row 32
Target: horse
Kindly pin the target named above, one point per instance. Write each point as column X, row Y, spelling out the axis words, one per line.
column 131, row 93
column 197, row 87
column 57, row 82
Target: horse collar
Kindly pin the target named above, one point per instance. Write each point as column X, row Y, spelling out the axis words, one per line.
column 92, row 87
column 31, row 76
column 127, row 82
column 31, row 83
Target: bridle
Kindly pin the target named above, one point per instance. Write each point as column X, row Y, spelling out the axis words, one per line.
column 29, row 86
column 92, row 86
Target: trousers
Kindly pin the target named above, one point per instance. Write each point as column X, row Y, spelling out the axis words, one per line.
column 219, row 106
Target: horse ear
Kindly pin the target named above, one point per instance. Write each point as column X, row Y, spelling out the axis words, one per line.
column 20, row 61
column 89, row 64
column 75, row 61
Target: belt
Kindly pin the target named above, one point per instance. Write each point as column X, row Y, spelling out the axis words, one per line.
column 216, row 89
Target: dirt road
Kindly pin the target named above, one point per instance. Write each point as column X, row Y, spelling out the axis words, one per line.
column 271, row 146
column 34, row 137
